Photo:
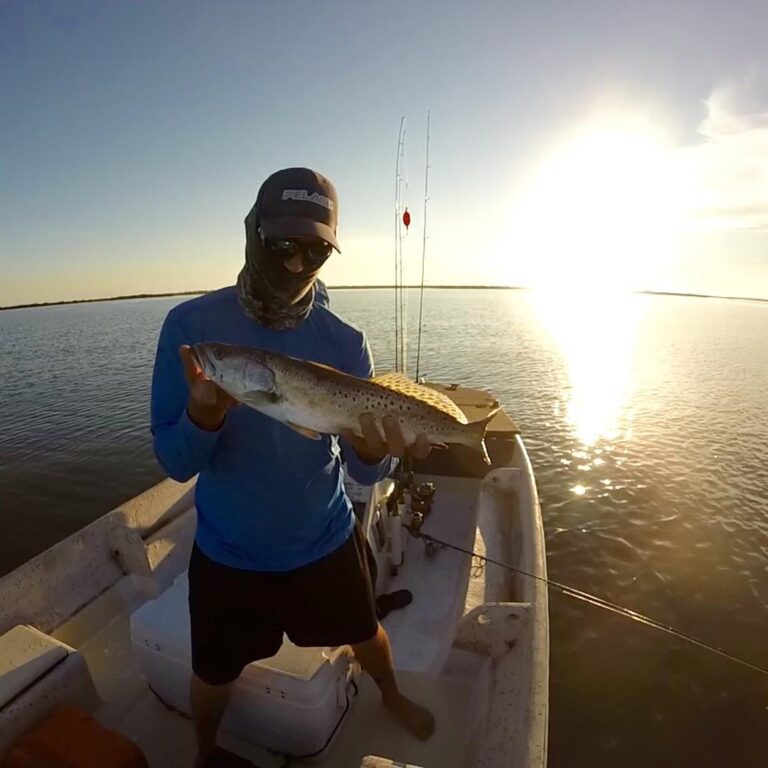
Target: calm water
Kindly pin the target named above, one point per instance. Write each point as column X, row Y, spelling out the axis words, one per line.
column 647, row 423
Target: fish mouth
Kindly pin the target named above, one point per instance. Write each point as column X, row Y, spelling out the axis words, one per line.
column 196, row 358
column 205, row 358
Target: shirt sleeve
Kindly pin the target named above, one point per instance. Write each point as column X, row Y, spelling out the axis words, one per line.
column 361, row 364
column 181, row 447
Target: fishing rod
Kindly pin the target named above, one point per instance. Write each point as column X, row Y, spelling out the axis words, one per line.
column 401, row 184
column 400, row 140
column 423, row 251
column 593, row 600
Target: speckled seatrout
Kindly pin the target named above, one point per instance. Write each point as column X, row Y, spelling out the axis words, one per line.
column 315, row 399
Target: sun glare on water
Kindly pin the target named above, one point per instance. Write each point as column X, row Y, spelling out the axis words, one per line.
column 599, row 218
column 596, row 337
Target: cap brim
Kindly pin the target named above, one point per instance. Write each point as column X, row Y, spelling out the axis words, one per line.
column 295, row 226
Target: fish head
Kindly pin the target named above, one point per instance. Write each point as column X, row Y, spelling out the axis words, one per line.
column 236, row 370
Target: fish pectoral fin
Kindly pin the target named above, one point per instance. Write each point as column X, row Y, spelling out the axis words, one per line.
column 305, row 431
column 256, row 399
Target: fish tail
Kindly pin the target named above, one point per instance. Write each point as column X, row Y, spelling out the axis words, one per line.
column 476, row 430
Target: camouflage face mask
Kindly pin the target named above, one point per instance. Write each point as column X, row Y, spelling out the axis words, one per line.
column 267, row 290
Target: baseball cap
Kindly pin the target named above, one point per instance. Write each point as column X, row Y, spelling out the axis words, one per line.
column 299, row 202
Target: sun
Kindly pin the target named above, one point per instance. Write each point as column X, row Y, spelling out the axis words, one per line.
column 600, row 213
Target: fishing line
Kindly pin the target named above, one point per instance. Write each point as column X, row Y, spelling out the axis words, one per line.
column 599, row 602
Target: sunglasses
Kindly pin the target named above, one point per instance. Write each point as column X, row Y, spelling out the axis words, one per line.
column 314, row 252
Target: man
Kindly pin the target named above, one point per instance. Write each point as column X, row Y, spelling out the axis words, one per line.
column 276, row 547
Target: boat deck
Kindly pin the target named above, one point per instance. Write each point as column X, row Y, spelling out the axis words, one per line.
column 453, row 683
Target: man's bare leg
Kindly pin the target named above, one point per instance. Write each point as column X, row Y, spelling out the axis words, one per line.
column 375, row 657
column 208, row 704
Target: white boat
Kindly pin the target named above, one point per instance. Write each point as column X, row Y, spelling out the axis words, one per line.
column 100, row 621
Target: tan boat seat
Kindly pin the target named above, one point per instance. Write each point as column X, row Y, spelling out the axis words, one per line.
column 37, row 674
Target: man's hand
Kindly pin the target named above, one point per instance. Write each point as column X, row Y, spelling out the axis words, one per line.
column 372, row 447
column 208, row 403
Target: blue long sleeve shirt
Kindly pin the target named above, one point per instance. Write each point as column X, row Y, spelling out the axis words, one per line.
column 267, row 498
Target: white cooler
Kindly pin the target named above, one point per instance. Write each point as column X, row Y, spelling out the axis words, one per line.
column 289, row 703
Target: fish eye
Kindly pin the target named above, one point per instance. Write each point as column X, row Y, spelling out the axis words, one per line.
column 218, row 354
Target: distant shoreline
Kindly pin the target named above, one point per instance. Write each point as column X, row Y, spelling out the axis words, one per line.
column 368, row 287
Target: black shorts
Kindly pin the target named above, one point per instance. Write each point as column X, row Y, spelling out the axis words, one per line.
column 238, row 616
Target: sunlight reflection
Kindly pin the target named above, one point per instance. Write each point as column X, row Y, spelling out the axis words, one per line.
column 604, row 209
column 596, row 334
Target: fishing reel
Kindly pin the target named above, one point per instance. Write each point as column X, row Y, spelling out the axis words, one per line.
column 420, row 507
column 415, row 501
column 422, row 497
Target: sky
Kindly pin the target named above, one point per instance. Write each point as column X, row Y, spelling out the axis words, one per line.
column 588, row 146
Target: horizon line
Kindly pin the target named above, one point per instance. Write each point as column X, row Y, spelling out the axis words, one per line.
column 365, row 287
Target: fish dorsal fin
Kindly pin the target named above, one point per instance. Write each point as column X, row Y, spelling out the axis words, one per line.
column 400, row 383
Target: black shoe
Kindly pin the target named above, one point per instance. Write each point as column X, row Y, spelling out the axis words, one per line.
column 391, row 602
